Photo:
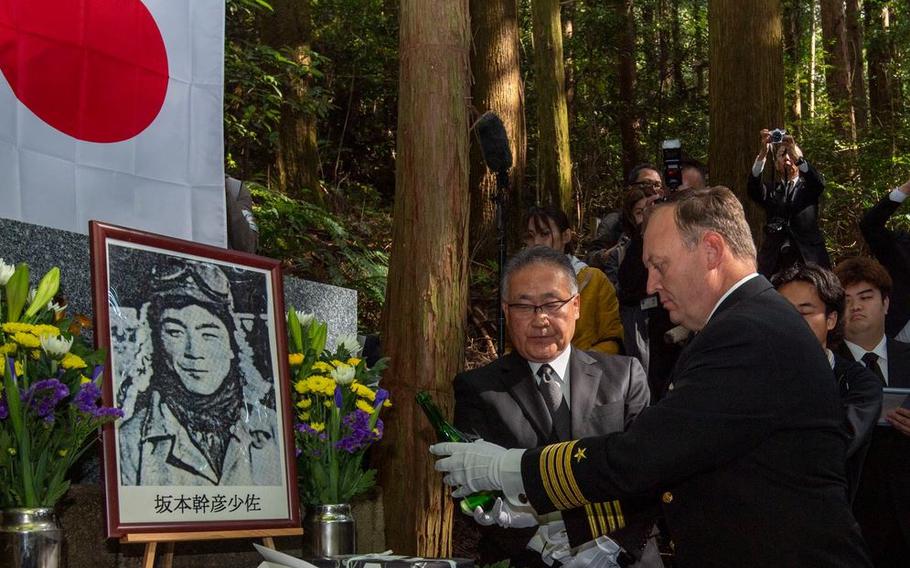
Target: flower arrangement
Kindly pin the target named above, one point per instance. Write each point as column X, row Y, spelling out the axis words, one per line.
column 49, row 397
column 338, row 402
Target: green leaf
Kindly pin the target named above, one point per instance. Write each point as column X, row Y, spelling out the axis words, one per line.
column 17, row 292
column 294, row 331
column 47, row 289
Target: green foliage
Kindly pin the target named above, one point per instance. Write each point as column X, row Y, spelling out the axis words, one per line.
column 349, row 249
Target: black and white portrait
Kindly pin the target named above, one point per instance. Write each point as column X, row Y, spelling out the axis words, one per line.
column 193, row 371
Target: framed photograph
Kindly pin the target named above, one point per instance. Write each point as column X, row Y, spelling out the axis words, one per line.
column 194, row 336
column 892, row 399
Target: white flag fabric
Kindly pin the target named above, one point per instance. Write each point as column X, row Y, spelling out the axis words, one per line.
column 112, row 110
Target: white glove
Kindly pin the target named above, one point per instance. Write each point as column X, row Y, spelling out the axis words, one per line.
column 505, row 515
column 602, row 553
column 552, row 542
column 470, row 467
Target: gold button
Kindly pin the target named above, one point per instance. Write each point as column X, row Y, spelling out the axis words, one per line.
column 667, row 497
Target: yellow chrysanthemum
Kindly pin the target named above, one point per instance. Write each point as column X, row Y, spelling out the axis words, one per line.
column 303, row 416
column 26, row 339
column 20, row 370
column 305, row 403
column 83, row 379
column 71, row 361
column 16, row 327
column 8, row 349
column 322, row 366
column 35, row 354
column 301, row 387
column 317, row 426
column 386, row 403
column 44, row 329
column 336, row 362
column 295, row 359
column 327, row 404
column 363, row 391
column 353, row 361
column 364, row 406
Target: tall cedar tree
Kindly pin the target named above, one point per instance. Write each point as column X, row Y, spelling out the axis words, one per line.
column 629, row 124
column 289, row 27
column 837, row 70
column 854, row 35
column 424, row 312
column 554, row 164
column 746, row 89
column 880, row 59
column 497, row 87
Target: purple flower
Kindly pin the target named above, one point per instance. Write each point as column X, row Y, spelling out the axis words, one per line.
column 360, row 434
column 338, row 399
column 43, row 397
column 382, row 395
column 305, row 428
column 97, row 371
column 4, row 410
column 87, row 401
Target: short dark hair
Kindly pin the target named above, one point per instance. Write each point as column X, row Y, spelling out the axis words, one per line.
column 541, row 216
column 826, row 285
column 538, row 254
column 693, row 164
column 710, row 209
column 629, row 200
column 633, row 173
column 864, row 269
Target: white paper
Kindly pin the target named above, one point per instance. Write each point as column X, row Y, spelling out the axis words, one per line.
column 280, row 559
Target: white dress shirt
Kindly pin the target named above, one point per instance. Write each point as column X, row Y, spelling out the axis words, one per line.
column 881, row 350
column 560, row 366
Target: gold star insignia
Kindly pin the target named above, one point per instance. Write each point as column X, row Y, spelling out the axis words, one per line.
column 579, row 454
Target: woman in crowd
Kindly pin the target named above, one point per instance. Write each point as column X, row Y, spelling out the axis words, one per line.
column 598, row 328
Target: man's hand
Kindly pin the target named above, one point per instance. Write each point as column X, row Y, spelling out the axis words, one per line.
column 905, row 189
column 505, row 516
column 604, row 554
column 790, row 144
column 552, row 542
column 900, row 419
column 470, row 467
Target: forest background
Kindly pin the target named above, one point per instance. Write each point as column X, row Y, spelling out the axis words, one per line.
column 351, row 119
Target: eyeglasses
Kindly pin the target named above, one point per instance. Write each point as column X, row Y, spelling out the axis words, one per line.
column 647, row 184
column 523, row 310
column 179, row 273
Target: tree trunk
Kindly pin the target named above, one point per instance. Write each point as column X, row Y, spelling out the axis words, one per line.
column 497, row 87
column 813, row 58
column 837, row 70
column 554, row 165
column 289, row 27
column 746, row 89
column 880, row 57
column 854, row 34
column 793, row 42
column 677, row 52
column 424, row 312
column 629, row 124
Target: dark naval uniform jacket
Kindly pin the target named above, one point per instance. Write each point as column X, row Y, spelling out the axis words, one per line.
column 747, row 450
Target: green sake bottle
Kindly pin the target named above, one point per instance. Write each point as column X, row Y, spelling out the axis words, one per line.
column 448, row 433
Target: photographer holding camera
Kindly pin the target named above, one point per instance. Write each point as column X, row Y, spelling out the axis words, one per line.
column 790, row 202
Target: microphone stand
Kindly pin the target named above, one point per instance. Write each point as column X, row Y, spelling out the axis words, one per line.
column 498, row 198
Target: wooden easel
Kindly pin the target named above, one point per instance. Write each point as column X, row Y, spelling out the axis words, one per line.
column 152, row 540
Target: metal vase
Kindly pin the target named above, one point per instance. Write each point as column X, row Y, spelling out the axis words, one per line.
column 30, row 538
column 328, row 530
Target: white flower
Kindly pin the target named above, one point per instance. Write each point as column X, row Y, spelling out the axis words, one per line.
column 344, row 374
column 56, row 347
column 350, row 343
column 305, row 318
column 6, row 272
column 56, row 307
column 31, row 295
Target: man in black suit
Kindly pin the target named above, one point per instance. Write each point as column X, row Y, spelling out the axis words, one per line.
column 790, row 202
column 882, row 504
column 818, row 296
column 508, row 402
column 892, row 249
column 746, row 449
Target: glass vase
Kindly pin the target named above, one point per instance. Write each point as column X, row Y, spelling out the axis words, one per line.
column 30, row 538
column 328, row 530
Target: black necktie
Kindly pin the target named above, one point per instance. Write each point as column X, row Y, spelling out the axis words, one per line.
column 871, row 361
column 550, row 388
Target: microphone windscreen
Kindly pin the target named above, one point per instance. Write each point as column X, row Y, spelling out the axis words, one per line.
column 494, row 142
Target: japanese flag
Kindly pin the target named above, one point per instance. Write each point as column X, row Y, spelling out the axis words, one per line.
column 112, row 110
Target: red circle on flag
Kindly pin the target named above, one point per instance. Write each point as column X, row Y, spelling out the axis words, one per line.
column 94, row 69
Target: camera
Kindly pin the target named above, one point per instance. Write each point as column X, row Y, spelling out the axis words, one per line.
column 777, row 135
column 672, row 157
column 776, row 226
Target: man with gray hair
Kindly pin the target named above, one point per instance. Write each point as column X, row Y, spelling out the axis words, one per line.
column 745, row 452
column 546, row 391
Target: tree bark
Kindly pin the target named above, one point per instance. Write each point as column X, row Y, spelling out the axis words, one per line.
column 629, row 124
column 424, row 312
column 497, row 87
column 746, row 89
column 837, row 70
column 854, row 34
column 289, row 27
column 880, row 58
column 793, row 42
column 554, row 164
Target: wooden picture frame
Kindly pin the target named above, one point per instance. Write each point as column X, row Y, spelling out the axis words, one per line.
column 196, row 342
